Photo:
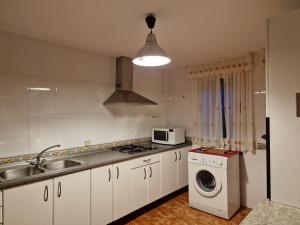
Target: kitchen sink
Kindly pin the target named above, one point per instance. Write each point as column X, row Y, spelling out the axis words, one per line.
column 61, row 164
column 19, row 172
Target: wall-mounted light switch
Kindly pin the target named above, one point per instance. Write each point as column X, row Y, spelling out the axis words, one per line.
column 298, row 104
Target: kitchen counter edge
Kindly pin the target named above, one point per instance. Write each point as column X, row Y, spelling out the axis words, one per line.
column 86, row 166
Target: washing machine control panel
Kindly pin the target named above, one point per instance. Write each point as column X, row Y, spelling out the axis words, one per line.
column 208, row 160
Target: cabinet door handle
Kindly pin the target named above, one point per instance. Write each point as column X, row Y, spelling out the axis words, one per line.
column 150, row 171
column 59, row 189
column 109, row 175
column 175, row 156
column 179, row 155
column 118, row 173
column 145, row 173
column 46, row 194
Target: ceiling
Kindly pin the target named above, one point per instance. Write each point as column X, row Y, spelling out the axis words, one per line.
column 190, row 30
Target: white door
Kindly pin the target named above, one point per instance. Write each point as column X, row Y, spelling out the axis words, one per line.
column 139, row 187
column 30, row 204
column 121, row 189
column 183, row 167
column 101, row 195
column 168, row 172
column 72, row 199
column 284, row 82
column 154, row 192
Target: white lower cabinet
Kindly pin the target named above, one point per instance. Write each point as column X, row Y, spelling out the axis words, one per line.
column 139, row 187
column 101, row 195
column 145, row 181
column 30, row 204
column 174, row 170
column 121, row 189
column 169, row 172
column 154, row 192
column 182, row 178
column 97, row 196
column 72, row 199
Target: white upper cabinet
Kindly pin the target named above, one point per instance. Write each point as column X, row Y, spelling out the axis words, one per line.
column 72, row 199
column 169, row 172
column 183, row 167
column 30, row 204
column 101, row 195
column 121, row 189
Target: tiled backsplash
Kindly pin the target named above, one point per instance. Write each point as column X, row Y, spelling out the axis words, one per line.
column 78, row 150
column 72, row 151
column 69, row 111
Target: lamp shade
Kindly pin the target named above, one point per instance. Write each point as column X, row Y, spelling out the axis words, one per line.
column 151, row 54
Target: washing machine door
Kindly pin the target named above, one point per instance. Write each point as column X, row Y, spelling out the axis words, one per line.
column 207, row 183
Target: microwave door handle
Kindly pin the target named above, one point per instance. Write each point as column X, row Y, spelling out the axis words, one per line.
column 167, row 135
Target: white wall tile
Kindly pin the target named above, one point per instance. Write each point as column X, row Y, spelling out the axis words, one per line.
column 89, row 128
column 13, row 93
column 72, row 111
column 251, row 191
column 106, row 128
column 181, row 120
column 260, row 126
column 121, row 126
column 41, row 101
column 67, row 130
column 13, row 134
column 42, row 132
column 91, row 97
column 67, row 96
column 252, row 164
column 140, row 125
column 145, row 79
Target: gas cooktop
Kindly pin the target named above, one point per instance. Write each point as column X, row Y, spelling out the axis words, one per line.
column 134, row 148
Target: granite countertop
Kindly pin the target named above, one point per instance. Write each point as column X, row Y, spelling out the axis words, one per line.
column 272, row 213
column 88, row 160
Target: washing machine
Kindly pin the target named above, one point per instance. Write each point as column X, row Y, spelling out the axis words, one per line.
column 214, row 184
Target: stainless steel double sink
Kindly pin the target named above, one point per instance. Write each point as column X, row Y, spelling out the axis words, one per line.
column 25, row 170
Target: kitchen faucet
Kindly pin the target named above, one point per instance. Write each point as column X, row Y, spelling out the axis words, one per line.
column 38, row 158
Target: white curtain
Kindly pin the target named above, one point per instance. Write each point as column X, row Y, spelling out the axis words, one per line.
column 238, row 101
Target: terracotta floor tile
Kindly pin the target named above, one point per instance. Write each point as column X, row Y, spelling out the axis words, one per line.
column 177, row 212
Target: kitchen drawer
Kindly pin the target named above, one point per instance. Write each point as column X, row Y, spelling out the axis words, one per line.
column 146, row 160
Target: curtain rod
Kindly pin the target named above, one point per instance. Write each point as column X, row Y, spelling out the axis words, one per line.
column 224, row 58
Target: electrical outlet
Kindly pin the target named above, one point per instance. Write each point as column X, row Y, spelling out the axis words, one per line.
column 87, row 143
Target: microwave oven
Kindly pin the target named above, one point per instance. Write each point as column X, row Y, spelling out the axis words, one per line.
column 168, row 136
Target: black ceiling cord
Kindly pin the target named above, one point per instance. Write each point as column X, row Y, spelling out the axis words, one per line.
column 150, row 20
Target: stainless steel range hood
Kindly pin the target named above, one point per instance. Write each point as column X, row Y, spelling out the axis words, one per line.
column 124, row 95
